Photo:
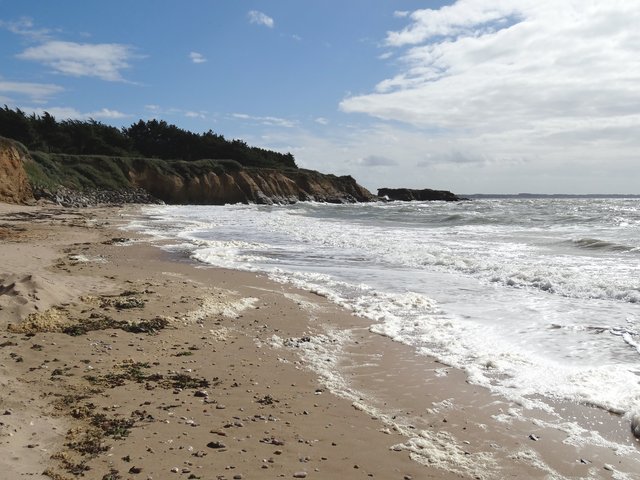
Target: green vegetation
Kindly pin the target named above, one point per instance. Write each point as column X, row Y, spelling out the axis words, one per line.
column 151, row 139
column 103, row 172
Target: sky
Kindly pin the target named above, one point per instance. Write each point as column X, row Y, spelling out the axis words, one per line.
column 472, row 96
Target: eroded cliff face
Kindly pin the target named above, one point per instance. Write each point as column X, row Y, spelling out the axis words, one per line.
column 146, row 181
column 14, row 184
column 260, row 186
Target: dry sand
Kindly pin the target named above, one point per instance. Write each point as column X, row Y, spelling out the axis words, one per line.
column 119, row 361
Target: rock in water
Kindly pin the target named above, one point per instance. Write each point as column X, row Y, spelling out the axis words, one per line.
column 408, row 195
column 635, row 424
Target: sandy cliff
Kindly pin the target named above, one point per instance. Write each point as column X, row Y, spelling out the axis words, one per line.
column 263, row 186
column 90, row 180
column 14, row 184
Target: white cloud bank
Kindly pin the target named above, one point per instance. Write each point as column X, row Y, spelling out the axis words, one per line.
column 268, row 121
column 197, row 57
column 538, row 88
column 69, row 113
column 260, row 18
column 102, row 60
column 36, row 92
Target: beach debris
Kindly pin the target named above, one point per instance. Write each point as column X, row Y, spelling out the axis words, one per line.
column 216, row 444
column 300, row 475
column 115, row 240
column 267, row 400
column 534, row 437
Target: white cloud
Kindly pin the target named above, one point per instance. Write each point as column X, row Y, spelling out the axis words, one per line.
column 260, row 18
column 26, row 28
column 322, row 121
column 107, row 113
column 536, row 86
column 70, row 113
column 37, row 92
column 197, row 57
column 192, row 114
column 268, row 121
column 102, row 60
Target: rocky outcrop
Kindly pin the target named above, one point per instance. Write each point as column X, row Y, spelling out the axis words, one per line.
column 407, row 195
column 68, row 197
column 261, row 186
column 14, row 184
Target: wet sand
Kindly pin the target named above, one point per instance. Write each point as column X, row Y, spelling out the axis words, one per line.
column 118, row 360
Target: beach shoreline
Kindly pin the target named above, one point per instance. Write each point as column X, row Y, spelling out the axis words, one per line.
column 119, row 359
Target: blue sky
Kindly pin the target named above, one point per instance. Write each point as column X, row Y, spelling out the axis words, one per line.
column 470, row 96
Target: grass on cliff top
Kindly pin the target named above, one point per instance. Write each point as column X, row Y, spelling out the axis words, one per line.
column 87, row 172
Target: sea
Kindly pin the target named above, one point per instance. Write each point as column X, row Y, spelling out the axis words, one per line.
column 536, row 299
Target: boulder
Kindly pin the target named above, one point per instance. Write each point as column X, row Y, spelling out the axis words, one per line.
column 408, row 195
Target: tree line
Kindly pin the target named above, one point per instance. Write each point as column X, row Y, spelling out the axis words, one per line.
column 150, row 138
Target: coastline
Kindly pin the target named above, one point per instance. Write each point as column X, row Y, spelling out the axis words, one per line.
column 223, row 374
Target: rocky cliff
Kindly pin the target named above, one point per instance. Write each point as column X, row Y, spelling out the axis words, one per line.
column 407, row 195
column 14, row 184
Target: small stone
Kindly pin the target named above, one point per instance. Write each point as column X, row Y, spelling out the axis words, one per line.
column 237, row 476
column 534, row 437
column 407, row 477
column 216, row 445
column 201, row 393
column 608, row 467
column 135, row 470
column 175, row 470
column 300, row 475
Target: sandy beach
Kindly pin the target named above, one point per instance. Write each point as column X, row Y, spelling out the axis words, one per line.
column 121, row 361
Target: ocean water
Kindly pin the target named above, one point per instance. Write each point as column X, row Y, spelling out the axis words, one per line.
column 536, row 299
